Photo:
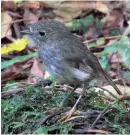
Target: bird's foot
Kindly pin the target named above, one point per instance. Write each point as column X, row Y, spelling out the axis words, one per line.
column 68, row 115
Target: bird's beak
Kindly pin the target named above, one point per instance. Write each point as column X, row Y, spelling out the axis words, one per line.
column 27, row 31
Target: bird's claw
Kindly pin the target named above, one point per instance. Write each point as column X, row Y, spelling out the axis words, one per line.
column 68, row 115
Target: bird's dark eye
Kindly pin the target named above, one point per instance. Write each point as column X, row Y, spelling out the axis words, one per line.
column 42, row 33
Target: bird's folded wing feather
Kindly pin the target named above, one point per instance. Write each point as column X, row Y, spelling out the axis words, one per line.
column 75, row 53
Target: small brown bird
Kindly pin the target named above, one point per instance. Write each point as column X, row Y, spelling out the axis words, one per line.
column 65, row 56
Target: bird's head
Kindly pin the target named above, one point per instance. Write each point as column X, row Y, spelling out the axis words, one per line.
column 45, row 29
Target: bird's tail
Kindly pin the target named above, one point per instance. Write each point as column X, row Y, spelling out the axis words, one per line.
column 112, row 84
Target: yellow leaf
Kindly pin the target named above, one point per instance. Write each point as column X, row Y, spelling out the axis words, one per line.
column 17, row 45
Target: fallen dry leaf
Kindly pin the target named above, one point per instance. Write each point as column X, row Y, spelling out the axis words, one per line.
column 125, row 90
column 66, row 16
column 8, row 5
column 35, row 70
column 80, row 5
column 32, row 4
column 52, row 4
column 85, row 5
column 13, row 15
column 120, row 5
column 125, row 75
column 14, row 71
column 113, row 20
column 115, row 59
column 32, row 18
column 115, row 17
column 112, row 74
column 5, row 29
column 67, row 10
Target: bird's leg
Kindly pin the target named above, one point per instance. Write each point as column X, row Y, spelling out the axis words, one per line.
column 65, row 100
column 68, row 114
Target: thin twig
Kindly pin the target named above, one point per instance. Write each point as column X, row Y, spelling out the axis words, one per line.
column 8, row 85
column 17, row 30
column 106, row 108
column 43, row 120
column 109, row 37
column 20, row 20
column 83, row 131
column 11, row 92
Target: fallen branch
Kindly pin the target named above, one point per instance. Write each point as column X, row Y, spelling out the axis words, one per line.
column 43, row 120
column 109, row 37
column 83, row 131
column 11, row 92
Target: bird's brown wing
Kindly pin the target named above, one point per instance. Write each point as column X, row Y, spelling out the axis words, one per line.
column 79, row 55
column 75, row 53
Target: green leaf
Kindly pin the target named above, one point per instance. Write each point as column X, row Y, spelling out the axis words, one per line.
column 7, row 63
column 111, row 48
column 80, row 24
column 28, row 89
column 87, row 21
column 100, row 41
column 51, row 78
column 127, row 102
column 104, row 64
column 41, row 130
column 99, row 24
column 122, row 46
column 115, row 32
column 91, row 45
column 124, row 50
column 99, row 107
